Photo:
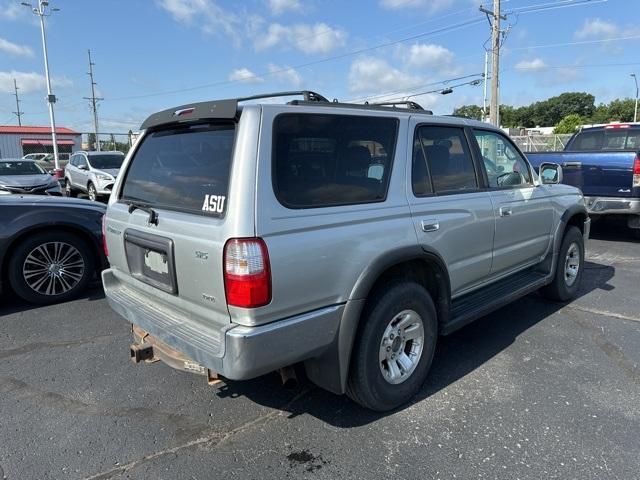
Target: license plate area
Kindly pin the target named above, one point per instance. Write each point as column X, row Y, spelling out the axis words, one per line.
column 150, row 259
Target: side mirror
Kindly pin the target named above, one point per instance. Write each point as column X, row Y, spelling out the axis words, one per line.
column 50, row 172
column 83, row 167
column 550, row 173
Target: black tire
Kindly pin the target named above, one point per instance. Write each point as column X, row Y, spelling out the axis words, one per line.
column 20, row 284
column 559, row 289
column 92, row 193
column 68, row 189
column 366, row 383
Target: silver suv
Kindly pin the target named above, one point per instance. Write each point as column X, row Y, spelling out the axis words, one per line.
column 247, row 238
column 93, row 173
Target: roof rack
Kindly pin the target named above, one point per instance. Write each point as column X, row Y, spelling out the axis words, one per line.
column 218, row 109
column 408, row 103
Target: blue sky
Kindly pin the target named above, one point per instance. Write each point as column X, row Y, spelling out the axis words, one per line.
column 155, row 54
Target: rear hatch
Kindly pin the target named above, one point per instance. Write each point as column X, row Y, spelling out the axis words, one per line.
column 600, row 161
column 167, row 225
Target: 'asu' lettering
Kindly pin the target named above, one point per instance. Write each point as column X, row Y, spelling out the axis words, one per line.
column 213, row 203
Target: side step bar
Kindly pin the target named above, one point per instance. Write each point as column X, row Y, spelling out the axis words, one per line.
column 474, row 305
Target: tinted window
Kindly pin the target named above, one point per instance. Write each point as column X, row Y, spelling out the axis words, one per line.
column 322, row 160
column 609, row 139
column 504, row 165
column 185, row 168
column 20, row 168
column 106, row 161
column 448, row 161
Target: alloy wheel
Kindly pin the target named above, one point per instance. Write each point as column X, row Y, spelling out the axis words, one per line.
column 53, row 268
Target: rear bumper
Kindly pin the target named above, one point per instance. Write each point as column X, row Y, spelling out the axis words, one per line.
column 234, row 351
column 612, row 205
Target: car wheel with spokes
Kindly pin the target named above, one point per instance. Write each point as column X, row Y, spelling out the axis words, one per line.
column 394, row 346
column 68, row 189
column 51, row 267
column 92, row 192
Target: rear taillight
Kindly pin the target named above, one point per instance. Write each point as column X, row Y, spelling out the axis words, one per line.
column 636, row 171
column 104, row 235
column 247, row 275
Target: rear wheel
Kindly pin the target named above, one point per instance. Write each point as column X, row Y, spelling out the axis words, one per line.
column 51, row 267
column 394, row 346
column 566, row 282
column 92, row 192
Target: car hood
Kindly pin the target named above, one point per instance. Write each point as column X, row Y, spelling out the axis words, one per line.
column 62, row 202
column 110, row 171
column 25, row 180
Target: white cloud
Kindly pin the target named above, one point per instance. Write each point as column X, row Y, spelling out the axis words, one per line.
column 430, row 6
column 536, row 65
column 244, row 75
column 429, row 56
column 15, row 49
column 29, row 82
column 317, row 38
column 597, row 28
column 206, row 14
column 11, row 10
column 373, row 75
column 278, row 7
column 285, row 75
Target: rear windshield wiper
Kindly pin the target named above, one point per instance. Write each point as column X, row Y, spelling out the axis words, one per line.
column 145, row 207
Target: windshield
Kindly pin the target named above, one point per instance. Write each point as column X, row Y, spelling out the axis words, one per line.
column 185, row 168
column 20, row 168
column 106, row 161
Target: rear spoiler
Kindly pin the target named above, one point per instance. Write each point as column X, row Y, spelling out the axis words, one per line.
column 216, row 109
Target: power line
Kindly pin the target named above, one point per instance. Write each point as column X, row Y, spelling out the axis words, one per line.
column 311, row 63
column 18, row 113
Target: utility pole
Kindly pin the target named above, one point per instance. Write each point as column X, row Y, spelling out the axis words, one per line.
column 484, row 86
column 494, row 113
column 18, row 113
column 94, row 101
column 42, row 11
column 635, row 112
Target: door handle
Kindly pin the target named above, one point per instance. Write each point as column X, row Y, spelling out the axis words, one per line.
column 572, row 164
column 505, row 211
column 430, row 225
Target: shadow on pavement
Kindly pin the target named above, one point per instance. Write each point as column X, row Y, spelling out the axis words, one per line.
column 613, row 229
column 457, row 355
column 11, row 303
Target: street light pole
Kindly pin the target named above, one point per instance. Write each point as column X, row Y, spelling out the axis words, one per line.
column 635, row 112
column 41, row 11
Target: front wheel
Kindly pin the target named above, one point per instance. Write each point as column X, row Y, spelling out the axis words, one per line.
column 68, row 189
column 51, row 267
column 92, row 192
column 566, row 281
column 394, row 346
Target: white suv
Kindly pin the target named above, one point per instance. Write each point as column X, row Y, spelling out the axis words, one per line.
column 92, row 172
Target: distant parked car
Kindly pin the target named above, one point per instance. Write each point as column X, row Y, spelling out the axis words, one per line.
column 50, row 248
column 93, row 173
column 26, row 176
column 45, row 160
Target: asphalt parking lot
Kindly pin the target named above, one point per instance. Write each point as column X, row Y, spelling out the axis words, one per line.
column 535, row 390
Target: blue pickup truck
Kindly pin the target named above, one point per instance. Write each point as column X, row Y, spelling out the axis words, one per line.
column 604, row 162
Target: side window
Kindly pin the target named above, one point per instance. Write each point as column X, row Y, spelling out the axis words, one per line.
column 72, row 160
column 81, row 160
column 322, row 160
column 504, row 164
column 442, row 155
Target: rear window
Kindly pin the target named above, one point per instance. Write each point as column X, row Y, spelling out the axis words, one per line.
column 322, row 160
column 106, row 161
column 185, row 169
column 611, row 139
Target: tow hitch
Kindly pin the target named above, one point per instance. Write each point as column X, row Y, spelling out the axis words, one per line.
column 141, row 353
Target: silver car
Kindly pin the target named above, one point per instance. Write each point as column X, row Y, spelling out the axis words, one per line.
column 26, row 177
column 246, row 238
column 93, row 173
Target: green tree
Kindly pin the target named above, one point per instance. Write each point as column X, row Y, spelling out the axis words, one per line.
column 469, row 111
column 569, row 124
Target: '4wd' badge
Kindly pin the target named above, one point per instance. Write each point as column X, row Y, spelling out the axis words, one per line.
column 213, row 203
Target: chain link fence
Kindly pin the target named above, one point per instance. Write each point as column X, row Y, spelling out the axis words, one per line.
column 541, row 143
column 121, row 142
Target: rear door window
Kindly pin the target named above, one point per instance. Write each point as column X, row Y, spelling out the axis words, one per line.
column 184, row 169
column 322, row 160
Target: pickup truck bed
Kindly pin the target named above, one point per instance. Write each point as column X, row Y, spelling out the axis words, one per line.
column 604, row 162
